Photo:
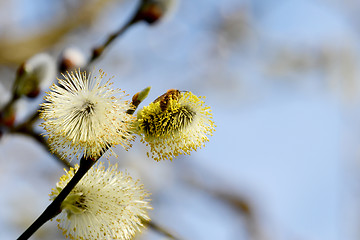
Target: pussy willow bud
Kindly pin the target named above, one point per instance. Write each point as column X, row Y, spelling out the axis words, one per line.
column 175, row 123
column 34, row 74
column 143, row 94
column 137, row 99
column 84, row 115
column 70, row 59
column 151, row 11
column 105, row 204
column 8, row 116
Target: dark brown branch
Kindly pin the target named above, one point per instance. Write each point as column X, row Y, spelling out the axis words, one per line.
column 55, row 206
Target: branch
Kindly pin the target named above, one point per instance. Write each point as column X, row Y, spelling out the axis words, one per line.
column 149, row 11
column 98, row 51
column 156, row 227
column 55, row 206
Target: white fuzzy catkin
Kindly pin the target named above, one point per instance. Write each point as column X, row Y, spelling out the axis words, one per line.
column 85, row 117
column 174, row 124
column 105, row 204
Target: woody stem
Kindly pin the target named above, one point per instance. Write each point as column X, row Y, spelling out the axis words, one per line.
column 55, row 207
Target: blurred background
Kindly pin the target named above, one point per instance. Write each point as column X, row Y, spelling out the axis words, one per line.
column 282, row 78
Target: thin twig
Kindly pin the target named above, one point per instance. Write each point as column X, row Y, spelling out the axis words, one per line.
column 156, row 227
column 33, row 118
column 143, row 12
column 98, row 51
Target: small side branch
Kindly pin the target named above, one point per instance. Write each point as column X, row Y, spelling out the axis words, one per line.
column 98, row 51
column 156, row 227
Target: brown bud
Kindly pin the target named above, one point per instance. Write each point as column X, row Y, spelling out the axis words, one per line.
column 9, row 121
column 7, row 117
column 21, row 70
column 66, row 65
column 151, row 12
column 34, row 93
column 135, row 100
column 97, row 51
column 71, row 58
column 35, row 74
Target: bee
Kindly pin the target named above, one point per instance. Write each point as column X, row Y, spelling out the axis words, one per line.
column 164, row 99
